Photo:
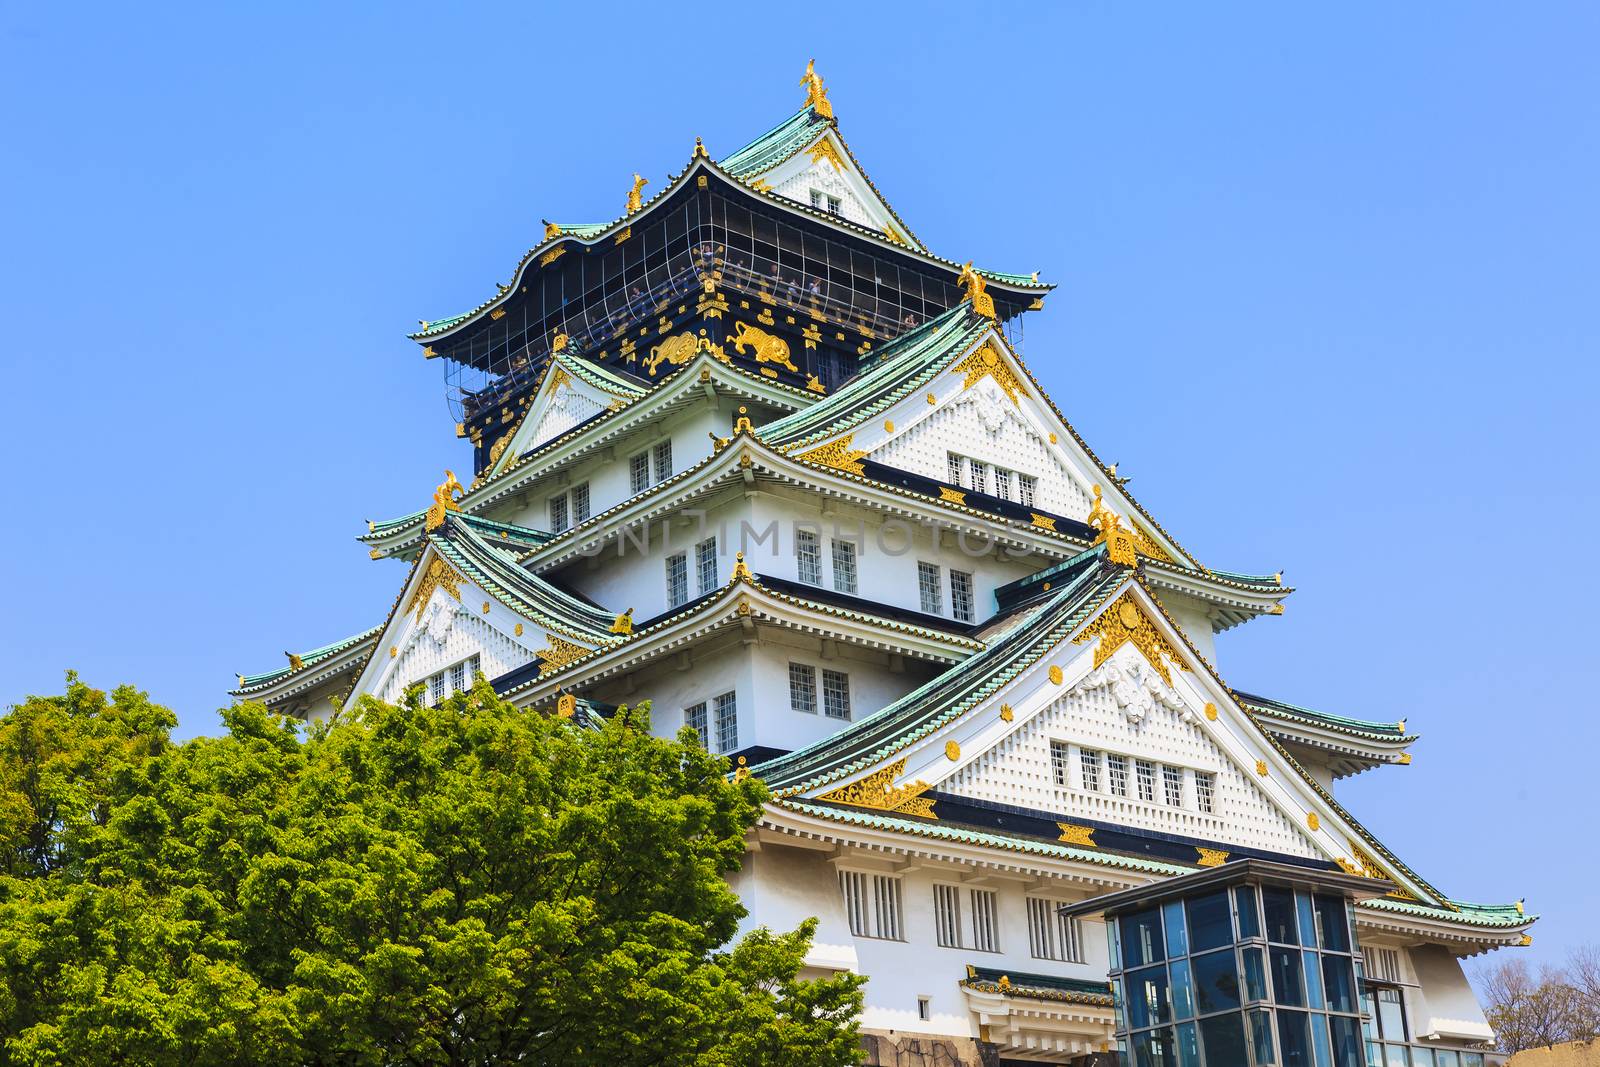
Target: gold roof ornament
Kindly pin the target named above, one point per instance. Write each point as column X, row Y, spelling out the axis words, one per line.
column 551, row 230
column 878, row 792
column 700, row 149
column 742, row 772
column 816, row 92
column 295, row 662
column 1121, row 545
column 241, row 681
column 636, row 201
column 976, row 288
column 1125, row 622
column 558, row 342
column 444, row 500
column 566, row 705
column 741, row 569
column 623, row 624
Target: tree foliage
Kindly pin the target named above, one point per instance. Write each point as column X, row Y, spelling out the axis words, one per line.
column 1555, row 1005
column 467, row 884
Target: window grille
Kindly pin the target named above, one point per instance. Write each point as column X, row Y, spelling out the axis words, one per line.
column 886, row 906
column 872, row 904
column 1147, row 779
column 835, row 205
column 816, row 198
column 961, row 595
column 558, row 513
column 844, row 566
column 1385, row 963
column 985, row 921
column 808, row 556
column 705, row 559
column 677, row 579
column 1027, row 485
column 1002, row 483
column 957, row 474
column 836, row 694
column 639, row 472
column 1205, row 790
column 1089, row 763
column 694, row 717
column 1059, row 756
column 947, row 915
column 802, row 688
column 980, row 476
column 928, row 585
column 1051, row 935
column 853, row 887
column 1172, row 780
column 580, row 503
column 663, row 460
column 436, row 686
column 1117, row 772
column 727, row 723
column 458, row 677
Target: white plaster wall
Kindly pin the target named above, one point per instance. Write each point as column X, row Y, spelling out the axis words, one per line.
column 1444, row 1003
column 676, row 681
column 783, row 887
column 1194, row 619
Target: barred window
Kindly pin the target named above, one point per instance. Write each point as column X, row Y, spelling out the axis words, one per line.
column 947, row 915
column 980, row 475
column 694, row 717
column 1089, row 763
column 639, row 472
column 558, row 513
column 872, row 904
column 961, row 595
column 436, row 687
column 1117, row 772
column 1147, row 779
column 677, row 579
column 1027, row 484
column 836, row 694
column 1205, row 789
column 580, row 503
column 1384, row 963
column 727, row 723
column 1172, row 779
column 1002, row 483
column 816, row 198
column 705, row 561
column 928, row 586
column 844, row 565
column 803, row 688
column 663, row 460
column 957, row 471
column 808, row 556
column 1051, row 935
column 985, row 921
column 1060, row 754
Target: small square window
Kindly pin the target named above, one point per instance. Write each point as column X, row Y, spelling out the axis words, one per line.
column 928, row 587
column 836, row 694
column 844, row 565
column 803, row 688
column 677, row 580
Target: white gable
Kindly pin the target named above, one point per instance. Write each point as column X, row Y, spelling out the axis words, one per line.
column 448, row 633
column 564, row 406
column 827, row 169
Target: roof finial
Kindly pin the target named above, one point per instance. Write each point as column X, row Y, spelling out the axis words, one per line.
column 551, row 230
column 295, row 662
column 1120, row 544
column 623, row 624
column 982, row 302
column 444, row 500
column 741, row 569
column 816, row 95
column 635, row 201
column 700, row 149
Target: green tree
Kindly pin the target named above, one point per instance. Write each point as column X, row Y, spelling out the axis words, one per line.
column 467, row 884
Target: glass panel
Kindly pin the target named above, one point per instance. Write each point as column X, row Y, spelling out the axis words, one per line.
column 1154, row 1049
column 1294, row 1042
column 1396, row 1056
column 1472, row 1059
column 1114, row 945
column 1223, row 1037
column 1335, row 933
column 1249, row 917
column 1189, row 1046
column 1278, row 906
column 1216, row 982
column 1445, row 1057
column 1308, row 925
column 1148, row 1004
column 1210, row 925
column 1346, row 1038
column 1255, row 975
column 1120, row 1003
column 1313, row 975
column 1374, row 1054
column 1319, row 1040
column 1423, row 1057
column 1141, row 939
column 1287, row 987
column 1336, row 981
column 1182, row 990
column 1177, row 942
column 1261, row 1037
column 1392, row 1015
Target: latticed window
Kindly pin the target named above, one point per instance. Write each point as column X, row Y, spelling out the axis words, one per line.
column 961, row 595
column 727, row 722
column 1117, row 773
column 453, row 679
column 580, row 503
column 1060, row 755
column 436, row 687
column 1002, row 483
column 816, row 199
column 558, row 513
column 808, row 556
column 705, row 562
column 1205, row 791
column 985, row 920
column 694, row 717
column 836, row 694
column 853, row 887
column 980, row 475
column 1089, row 763
column 639, row 472
column 835, row 205
column 677, row 579
column 957, row 469
column 1027, row 486
column 947, row 915
column 1051, row 935
column 1172, row 781
column 803, row 688
column 844, row 565
column 663, row 460
column 928, row 586
column 1147, row 779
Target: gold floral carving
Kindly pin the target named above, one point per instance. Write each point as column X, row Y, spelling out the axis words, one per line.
column 878, row 792
column 984, row 361
column 1211, row 711
column 1262, row 768
column 1006, row 715
column 558, row 654
column 1210, row 857
column 439, row 575
column 1313, row 822
column 824, row 150
column 816, row 92
column 1076, row 835
column 1055, row 675
column 976, row 288
column 1044, row 522
column 1125, row 622
column 838, row 455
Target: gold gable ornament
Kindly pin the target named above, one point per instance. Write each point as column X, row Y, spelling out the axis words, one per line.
column 838, row 455
column 1125, row 622
column 558, row 654
column 878, row 792
column 983, row 362
column 439, row 575
column 816, row 92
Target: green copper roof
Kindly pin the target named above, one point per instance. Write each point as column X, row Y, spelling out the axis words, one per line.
column 1491, row 915
column 602, row 377
column 307, row 659
column 776, row 145
column 584, row 230
column 1389, row 731
column 904, row 365
column 1038, row 986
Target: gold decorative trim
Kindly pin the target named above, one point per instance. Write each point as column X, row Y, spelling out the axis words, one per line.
column 878, row 792
column 741, row 569
column 444, row 500
column 497, row 314
column 1077, row 835
column 1006, row 714
column 439, row 575
column 824, row 150
column 1261, row 768
column 954, row 496
column 1055, row 675
column 1044, row 522
column 952, row 751
column 1211, row 711
column 1210, row 857
column 558, row 654
column 623, row 624
column 984, row 361
column 517, row 629
column 838, row 455
column 1313, row 822
column 888, row 426
column 1125, row 622
column 551, row 256
column 982, row 302
column 566, row 705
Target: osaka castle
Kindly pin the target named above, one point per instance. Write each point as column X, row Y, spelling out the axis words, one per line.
column 753, row 452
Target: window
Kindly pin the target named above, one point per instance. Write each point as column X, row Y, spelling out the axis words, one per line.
column 1385, row 963
column 1117, row 772
column 835, row 205
column 802, row 688
column 1027, row 485
column 980, row 475
column 816, row 198
column 872, row 904
column 570, row 508
column 956, row 470
column 1089, row 763
column 1172, row 780
column 453, row 679
column 558, row 513
column 1205, row 789
column 928, row 586
column 663, row 460
column 924, row 1008
column 961, row 595
column 727, row 723
column 1059, row 756
column 580, row 503
column 844, row 566
column 1002, row 483
column 947, row 915
column 705, row 562
column 1147, row 779
column 677, row 579
column 639, row 472
column 1051, row 935
column 694, row 717
column 808, row 556
column 836, row 694
column 985, row 925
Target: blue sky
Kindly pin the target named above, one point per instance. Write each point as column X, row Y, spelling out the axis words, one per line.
column 1327, row 288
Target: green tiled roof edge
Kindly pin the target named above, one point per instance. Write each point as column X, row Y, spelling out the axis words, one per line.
column 1281, row 709
column 776, row 145
column 309, row 659
column 522, row 591
column 1504, row 915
